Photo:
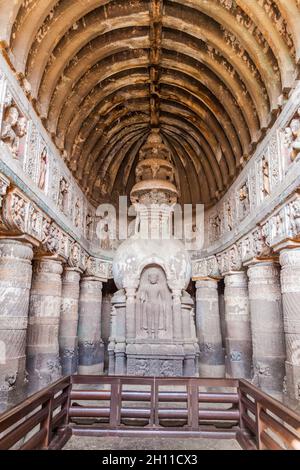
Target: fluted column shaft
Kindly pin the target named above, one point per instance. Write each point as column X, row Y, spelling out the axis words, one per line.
column 238, row 329
column 267, row 326
column 43, row 363
column 91, row 354
column 290, row 285
column 211, row 361
column 15, row 282
column 68, row 339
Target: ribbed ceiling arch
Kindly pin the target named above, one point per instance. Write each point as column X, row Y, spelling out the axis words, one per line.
column 209, row 74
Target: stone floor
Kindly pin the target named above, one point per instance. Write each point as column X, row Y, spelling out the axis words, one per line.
column 127, row 443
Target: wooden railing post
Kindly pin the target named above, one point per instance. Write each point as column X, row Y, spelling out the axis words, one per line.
column 193, row 405
column 259, row 426
column 115, row 403
column 47, row 423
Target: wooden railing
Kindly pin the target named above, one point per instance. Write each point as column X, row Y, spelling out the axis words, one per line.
column 36, row 422
column 148, row 406
column 266, row 423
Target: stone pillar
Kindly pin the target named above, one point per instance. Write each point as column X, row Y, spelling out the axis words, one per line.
column 211, row 358
column 43, row 364
column 68, row 339
column 267, row 326
column 15, row 281
column 177, row 315
column 238, row 330
column 130, row 313
column 91, row 354
column 290, row 285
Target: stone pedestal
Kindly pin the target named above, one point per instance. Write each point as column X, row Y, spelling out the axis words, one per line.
column 267, row 327
column 43, row 364
column 290, row 285
column 211, row 359
column 15, row 281
column 91, row 354
column 238, row 330
column 68, row 339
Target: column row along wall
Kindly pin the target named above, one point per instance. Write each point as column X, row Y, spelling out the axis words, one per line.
column 50, row 321
column 262, row 306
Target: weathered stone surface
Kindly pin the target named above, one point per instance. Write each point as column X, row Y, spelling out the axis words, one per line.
column 238, row 328
column 91, row 354
column 68, row 339
column 208, row 327
column 15, row 281
column 290, row 286
column 267, row 326
column 43, row 362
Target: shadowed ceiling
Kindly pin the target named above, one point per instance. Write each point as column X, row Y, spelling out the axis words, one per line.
column 210, row 74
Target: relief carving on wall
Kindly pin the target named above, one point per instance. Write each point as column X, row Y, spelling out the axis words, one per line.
column 14, row 128
column 244, row 201
column 292, row 137
column 153, row 304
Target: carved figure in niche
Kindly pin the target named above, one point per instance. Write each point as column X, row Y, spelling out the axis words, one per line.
column 216, row 227
column 153, row 301
column 266, row 176
column 295, row 216
column 229, row 216
column 292, row 137
column 295, row 128
column 43, row 168
column 77, row 215
column 244, row 200
column 106, row 232
column 14, row 127
column 63, row 195
column 89, row 227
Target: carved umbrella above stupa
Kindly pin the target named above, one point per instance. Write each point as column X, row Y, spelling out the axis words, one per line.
column 153, row 330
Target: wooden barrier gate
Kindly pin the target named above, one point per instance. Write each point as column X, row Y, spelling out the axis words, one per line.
column 149, row 406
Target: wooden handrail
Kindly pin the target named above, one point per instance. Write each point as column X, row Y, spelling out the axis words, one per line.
column 171, row 407
column 270, row 424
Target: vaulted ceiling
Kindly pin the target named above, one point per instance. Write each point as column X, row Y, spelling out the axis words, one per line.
column 211, row 74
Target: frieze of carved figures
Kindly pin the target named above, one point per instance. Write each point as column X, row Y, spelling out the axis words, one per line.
column 292, row 137
column 35, row 223
column 97, row 268
column 284, row 224
column 253, row 246
column 4, row 185
column 207, row 267
column 14, row 127
column 230, row 260
column 51, row 237
column 77, row 258
column 15, row 211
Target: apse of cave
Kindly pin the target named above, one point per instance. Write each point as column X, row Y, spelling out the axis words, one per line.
column 117, row 119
